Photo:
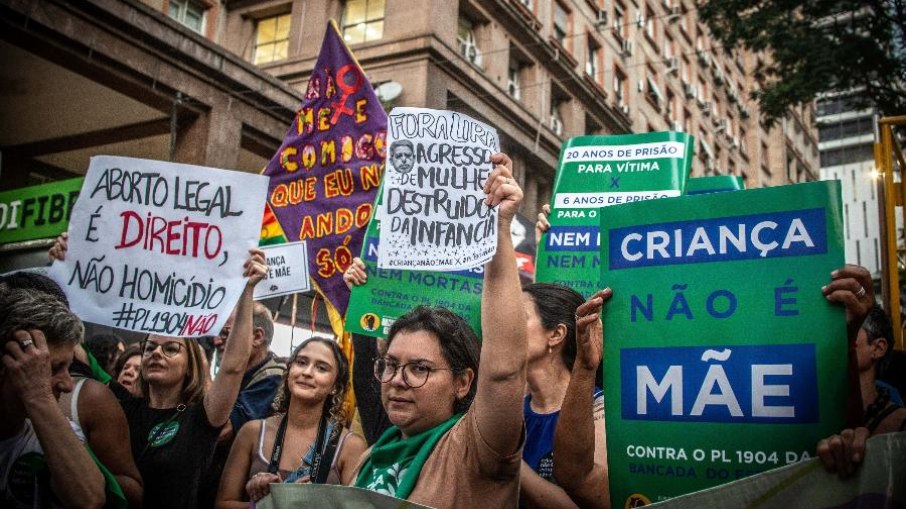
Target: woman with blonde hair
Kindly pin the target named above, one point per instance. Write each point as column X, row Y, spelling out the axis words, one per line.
column 305, row 440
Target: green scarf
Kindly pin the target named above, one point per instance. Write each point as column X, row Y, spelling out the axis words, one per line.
column 395, row 463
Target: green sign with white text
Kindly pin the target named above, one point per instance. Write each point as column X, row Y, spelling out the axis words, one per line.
column 37, row 212
column 600, row 171
column 722, row 356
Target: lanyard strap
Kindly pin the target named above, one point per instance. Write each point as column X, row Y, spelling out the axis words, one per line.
column 274, row 465
column 318, row 474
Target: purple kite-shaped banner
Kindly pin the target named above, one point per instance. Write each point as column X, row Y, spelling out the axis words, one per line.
column 326, row 174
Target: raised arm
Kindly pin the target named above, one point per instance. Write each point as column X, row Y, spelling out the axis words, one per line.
column 579, row 440
column 28, row 368
column 219, row 400
column 501, row 377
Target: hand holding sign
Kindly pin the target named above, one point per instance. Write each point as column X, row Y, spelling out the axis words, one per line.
column 842, row 453
column 852, row 286
column 590, row 330
column 58, row 250
column 355, row 275
column 254, row 268
column 502, row 189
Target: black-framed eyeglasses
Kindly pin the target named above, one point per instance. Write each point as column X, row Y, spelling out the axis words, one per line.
column 415, row 374
column 168, row 348
column 401, row 155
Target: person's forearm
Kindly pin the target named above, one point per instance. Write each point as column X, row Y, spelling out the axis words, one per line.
column 535, row 491
column 501, row 312
column 574, row 436
column 132, row 490
column 65, row 455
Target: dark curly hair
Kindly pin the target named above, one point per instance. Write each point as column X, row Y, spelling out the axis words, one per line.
column 458, row 342
column 333, row 405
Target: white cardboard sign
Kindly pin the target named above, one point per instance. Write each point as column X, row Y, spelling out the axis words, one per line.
column 287, row 270
column 433, row 215
column 159, row 247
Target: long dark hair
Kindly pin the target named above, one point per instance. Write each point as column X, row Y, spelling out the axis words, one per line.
column 333, row 405
column 458, row 342
column 556, row 305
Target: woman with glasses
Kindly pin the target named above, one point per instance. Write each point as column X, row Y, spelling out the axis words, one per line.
column 457, row 436
column 305, row 440
column 174, row 427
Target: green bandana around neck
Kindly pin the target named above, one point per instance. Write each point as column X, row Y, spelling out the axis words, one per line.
column 395, row 463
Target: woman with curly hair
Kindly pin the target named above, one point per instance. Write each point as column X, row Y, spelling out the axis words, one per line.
column 305, row 440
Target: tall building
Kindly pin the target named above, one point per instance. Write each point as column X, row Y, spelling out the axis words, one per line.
column 847, row 154
column 214, row 82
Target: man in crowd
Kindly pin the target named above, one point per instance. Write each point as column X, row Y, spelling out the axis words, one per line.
column 262, row 375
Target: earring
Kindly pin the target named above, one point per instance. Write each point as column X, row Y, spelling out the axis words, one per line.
column 550, row 350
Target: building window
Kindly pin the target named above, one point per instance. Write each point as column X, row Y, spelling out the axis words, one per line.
column 527, row 3
column 189, row 13
column 620, row 28
column 271, row 39
column 593, row 59
column 465, row 39
column 649, row 25
column 653, row 93
column 619, row 86
column 556, row 118
column 363, row 21
column 561, row 24
column 513, row 87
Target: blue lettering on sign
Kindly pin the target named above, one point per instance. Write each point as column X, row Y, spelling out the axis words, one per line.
column 738, row 384
column 371, row 254
column 573, row 238
column 773, row 235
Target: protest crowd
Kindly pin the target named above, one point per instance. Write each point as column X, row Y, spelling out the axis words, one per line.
column 441, row 410
column 446, row 431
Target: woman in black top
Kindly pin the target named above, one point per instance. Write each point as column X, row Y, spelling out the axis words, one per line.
column 174, row 429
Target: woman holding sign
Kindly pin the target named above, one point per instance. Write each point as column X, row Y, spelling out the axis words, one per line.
column 174, row 427
column 457, row 434
column 305, row 441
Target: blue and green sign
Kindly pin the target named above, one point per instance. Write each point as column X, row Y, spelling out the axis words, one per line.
column 722, row 356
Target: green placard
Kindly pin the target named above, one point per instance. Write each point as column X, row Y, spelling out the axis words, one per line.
column 713, row 184
column 599, row 171
column 37, row 212
column 391, row 293
column 722, row 356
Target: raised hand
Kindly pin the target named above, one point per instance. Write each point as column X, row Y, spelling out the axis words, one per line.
column 590, row 330
column 501, row 189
